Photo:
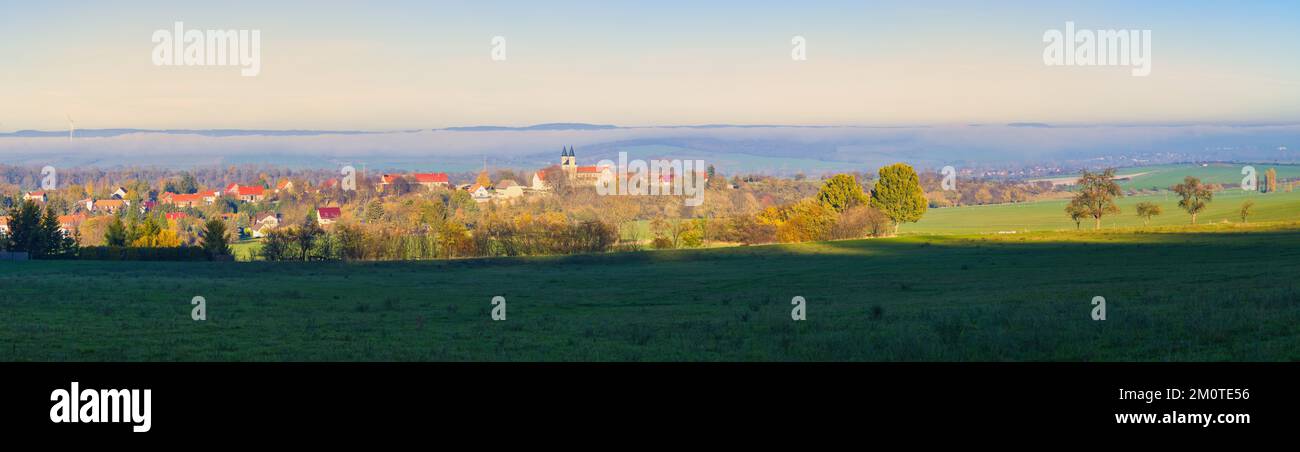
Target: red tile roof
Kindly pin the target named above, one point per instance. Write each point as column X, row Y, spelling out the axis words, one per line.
column 431, row 177
column 177, row 199
column 328, row 213
column 244, row 190
column 109, row 204
column 67, row 220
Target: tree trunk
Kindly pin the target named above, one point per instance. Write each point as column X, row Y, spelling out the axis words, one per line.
column 1097, row 225
column 1193, row 218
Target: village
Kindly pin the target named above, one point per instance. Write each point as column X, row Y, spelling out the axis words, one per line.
column 254, row 210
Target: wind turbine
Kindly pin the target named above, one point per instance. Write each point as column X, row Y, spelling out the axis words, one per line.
column 72, row 127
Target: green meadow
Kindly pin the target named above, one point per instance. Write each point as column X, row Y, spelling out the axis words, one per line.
column 1050, row 215
column 1161, row 177
column 1220, row 292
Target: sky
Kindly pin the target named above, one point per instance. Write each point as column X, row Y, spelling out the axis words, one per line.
column 397, row 65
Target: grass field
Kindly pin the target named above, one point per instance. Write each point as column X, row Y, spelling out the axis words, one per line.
column 1050, row 215
column 1218, row 292
column 1161, row 177
column 246, row 250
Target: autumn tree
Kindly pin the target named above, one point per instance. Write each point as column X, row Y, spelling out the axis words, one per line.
column 306, row 235
column 1097, row 193
column 1146, row 210
column 898, row 194
column 1077, row 212
column 1195, row 196
column 375, row 211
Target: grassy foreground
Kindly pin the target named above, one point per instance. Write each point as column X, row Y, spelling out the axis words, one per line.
column 1222, row 292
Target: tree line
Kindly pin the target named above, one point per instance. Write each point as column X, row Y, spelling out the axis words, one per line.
column 1097, row 191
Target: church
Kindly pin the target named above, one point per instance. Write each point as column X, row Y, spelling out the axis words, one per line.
column 578, row 175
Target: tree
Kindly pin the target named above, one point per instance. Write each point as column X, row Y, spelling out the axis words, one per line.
column 1146, row 210
column 1195, row 196
column 842, row 192
column 859, row 221
column 116, row 233
column 557, row 179
column 214, row 238
column 1097, row 193
column 52, row 241
column 147, row 234
column 899, row 195
column 1077, row 212
column 375, row 211
column 804, row 221
column 306, row 235
column 187, row 184
column 275, row 247
column 1245, row 210
column 351, row 242
column 25, row 232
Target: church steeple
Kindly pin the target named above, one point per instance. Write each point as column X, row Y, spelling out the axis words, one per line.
column 567, row 159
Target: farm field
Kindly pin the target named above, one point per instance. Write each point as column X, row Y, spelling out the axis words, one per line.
column 1210, row 293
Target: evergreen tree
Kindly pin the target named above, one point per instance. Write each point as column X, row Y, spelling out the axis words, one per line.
column 25, row 228
column 214, row 238
column 116, row 233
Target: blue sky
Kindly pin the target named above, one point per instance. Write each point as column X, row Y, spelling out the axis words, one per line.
column 395, row 65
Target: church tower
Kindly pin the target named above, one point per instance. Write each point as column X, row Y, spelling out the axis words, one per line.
column 568, row 162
